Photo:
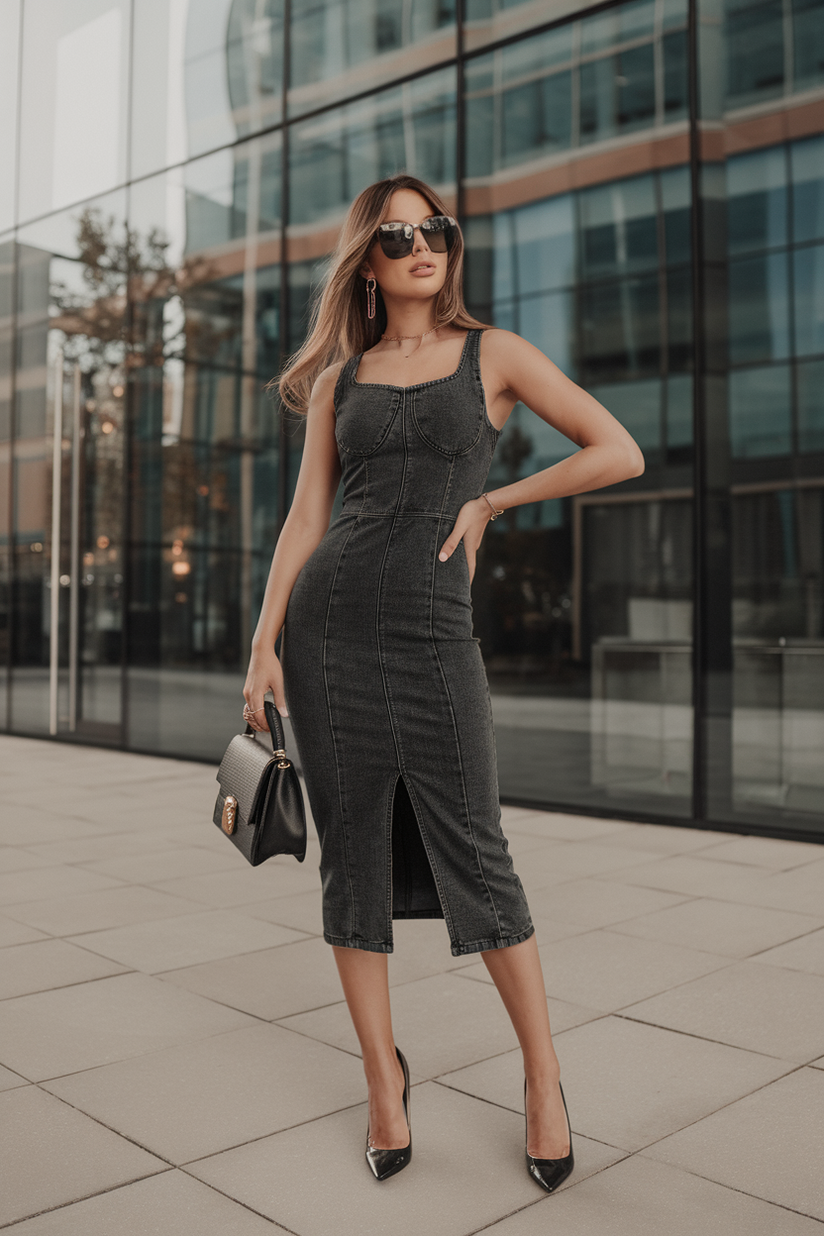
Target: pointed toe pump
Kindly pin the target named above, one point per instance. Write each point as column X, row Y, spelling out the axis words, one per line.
column 550, row 1173
column 385, row 1163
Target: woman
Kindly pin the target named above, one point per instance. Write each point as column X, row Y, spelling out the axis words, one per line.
column 405, row 395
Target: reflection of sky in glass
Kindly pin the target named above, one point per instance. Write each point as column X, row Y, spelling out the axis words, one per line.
column 534, row 248
column 809, row 300
column 757, row 200
column 9, row 19
column 807, row 163
column 759, row 308
column 760, row 421
column 408, row 128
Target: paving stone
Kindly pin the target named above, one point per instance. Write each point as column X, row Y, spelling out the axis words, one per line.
column 185, row 940
column 65, row 916
column 769, row 1144
column 171, row 1202
column 758, row 1007
column 201, row 1097
column 804, row 953
column 270, row 984
column 725, row 927
column 56, row 1032
column 52, row 1154
column 640, row 1198
column 46, row 964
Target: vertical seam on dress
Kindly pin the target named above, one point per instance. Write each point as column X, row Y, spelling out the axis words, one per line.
column 455, row 727
column 387, row 700
column 329, row 713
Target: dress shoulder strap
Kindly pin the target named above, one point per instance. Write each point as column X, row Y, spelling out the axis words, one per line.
column 346, row 371
column 473, row 351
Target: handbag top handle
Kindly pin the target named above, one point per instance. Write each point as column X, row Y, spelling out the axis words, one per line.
column 275, row 728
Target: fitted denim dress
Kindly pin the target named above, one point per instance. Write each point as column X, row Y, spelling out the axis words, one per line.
column 385, row 684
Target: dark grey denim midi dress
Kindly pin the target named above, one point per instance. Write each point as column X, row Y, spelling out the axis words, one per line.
column 385, row 683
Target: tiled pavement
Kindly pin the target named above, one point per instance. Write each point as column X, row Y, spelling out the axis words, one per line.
column 177, row 1059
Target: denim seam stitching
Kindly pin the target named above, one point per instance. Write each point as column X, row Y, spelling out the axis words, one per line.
column 332, row 728
column 458, row 750
column 382, row 432
column 384, row 684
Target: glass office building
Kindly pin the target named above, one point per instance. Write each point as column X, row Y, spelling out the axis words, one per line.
column 641, row 188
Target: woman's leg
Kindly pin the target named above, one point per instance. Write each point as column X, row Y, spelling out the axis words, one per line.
column 516, row 972
column 365, row 980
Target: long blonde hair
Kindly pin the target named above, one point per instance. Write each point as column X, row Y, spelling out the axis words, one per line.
column 339, row 327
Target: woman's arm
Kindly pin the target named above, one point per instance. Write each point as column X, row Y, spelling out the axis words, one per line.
column 515, row 371
column 302, row 532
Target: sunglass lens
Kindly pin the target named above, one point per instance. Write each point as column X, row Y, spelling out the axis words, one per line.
column 439, row 232
column 396, row 239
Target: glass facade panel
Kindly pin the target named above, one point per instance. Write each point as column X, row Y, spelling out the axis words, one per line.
column 760, row 411
column 809, row 300
column 205, row 460
column 336, row 154
column 177, row 202
column 757, row 200
column 486, row 21
column 584, row 605
column 806, row 162
column 203, row 77
column 810, row 378
column 67, row 473
column 343, row 47
column 7, row 270
column 767, row 686
column 755, row 50
column 74, row 103
column 808, row 43
column 9, row 60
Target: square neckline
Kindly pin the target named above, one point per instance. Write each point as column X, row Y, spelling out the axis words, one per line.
column 390, row 386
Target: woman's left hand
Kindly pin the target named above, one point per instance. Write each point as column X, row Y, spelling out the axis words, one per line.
column 469, row 527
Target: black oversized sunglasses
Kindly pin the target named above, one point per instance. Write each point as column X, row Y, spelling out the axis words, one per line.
column 398, row 239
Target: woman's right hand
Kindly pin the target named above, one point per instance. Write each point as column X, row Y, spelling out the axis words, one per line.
column 264, row 674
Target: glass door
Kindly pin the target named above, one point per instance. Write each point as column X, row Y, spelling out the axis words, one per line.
column 86, row 593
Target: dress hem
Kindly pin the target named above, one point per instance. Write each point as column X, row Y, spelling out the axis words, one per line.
column 457, row 950
column 484, row 946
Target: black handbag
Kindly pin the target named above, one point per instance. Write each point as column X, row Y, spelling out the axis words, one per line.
column 260, row 803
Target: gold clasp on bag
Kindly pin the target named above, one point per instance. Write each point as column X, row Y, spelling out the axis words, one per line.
column 229, row 817
column 282, row 761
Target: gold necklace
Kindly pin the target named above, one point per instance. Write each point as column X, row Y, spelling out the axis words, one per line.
column 395, row 338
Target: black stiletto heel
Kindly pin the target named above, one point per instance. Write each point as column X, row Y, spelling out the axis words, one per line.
column 550, row 1173
column 385, row 1163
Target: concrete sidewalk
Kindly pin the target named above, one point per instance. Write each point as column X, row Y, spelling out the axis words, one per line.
column 177, row 1057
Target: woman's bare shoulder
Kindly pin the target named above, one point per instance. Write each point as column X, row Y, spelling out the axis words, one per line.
column 500, row 344
column 323, row 389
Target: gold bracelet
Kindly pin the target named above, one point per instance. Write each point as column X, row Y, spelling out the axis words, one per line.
column 495, row 511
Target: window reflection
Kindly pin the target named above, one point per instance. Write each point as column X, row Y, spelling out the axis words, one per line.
column 70, row 376
column 9, row 88
column 335, row 155
column 584, row 648
column 772, row 48
column 778, row 621
column 570, row 87
column 75, row 68
column 341, row 47
column 7, row 253
column 203, row 76
column 206, row 470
